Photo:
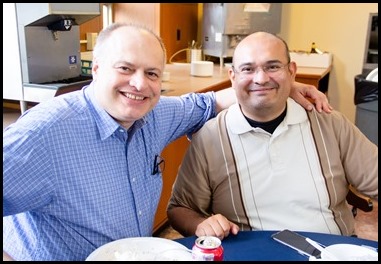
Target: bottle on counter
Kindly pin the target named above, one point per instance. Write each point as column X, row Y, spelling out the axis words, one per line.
column 314, row 49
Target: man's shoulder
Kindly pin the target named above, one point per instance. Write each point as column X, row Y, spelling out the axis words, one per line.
column 51, row 112
column 335, row 115
column 213, row 126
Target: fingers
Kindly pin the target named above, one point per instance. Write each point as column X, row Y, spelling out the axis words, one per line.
column 216, row 225
column 234, row 229
column 319, row 98
column 323, row 106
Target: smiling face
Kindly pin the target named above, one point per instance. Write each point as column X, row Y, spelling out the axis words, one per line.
column 127, row 69
column 262, row 76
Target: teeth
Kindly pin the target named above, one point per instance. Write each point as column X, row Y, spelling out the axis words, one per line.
column 131, row 96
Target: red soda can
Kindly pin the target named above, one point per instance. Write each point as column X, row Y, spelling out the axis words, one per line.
column 208, row 248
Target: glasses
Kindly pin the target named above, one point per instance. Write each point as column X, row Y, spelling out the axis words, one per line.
column 270, row 68
column 158, row 165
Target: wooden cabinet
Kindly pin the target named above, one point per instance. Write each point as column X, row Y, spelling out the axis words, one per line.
column 173, row 155
column 94, row 25
column 176, row 24
column 319, row 77
column 178, row 27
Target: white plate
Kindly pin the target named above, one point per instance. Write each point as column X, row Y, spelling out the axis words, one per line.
column 349, row 252
column 373, row 76
column 141, row 248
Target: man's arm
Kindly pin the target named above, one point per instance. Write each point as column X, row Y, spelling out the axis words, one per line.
column 302, row 93
column 306, row 95
column 188, row 223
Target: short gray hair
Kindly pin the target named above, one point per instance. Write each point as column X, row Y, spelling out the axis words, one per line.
column 105, row 34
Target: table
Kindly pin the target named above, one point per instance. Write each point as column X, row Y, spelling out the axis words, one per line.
column 258, row 245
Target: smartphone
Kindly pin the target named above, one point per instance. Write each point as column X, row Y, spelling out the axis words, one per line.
column 297, row 242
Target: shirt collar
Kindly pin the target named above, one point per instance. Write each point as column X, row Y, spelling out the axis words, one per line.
column 239, row 125
column 105, row 123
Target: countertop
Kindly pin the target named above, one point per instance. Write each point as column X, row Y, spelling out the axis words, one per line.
column 181, row 81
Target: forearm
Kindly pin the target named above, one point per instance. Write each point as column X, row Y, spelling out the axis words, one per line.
column 225, row 98
column 184, row 220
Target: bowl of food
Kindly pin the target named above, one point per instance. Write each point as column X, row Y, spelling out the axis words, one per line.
column 350, row 252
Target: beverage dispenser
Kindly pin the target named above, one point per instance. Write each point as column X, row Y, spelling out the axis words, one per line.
column 49, row 39
column 47, row 59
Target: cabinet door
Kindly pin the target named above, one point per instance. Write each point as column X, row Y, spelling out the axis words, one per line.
column 173, row 155
column 178, row 27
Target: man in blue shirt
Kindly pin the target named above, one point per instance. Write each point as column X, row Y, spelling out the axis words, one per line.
column 78, row 170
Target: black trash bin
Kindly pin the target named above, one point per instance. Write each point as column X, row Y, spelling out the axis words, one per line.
column 366, row 101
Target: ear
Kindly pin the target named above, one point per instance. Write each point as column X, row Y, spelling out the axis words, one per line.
column 232, row 75
column 292, row 69
column 94, row 68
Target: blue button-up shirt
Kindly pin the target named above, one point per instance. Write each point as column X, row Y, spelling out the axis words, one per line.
column 74, row 179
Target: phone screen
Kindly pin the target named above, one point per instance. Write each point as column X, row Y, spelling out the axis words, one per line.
column 296, row 241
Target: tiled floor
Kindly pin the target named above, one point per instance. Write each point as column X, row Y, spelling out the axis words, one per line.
column 366, row 223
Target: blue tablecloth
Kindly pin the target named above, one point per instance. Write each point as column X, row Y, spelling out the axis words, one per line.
column 258, row 245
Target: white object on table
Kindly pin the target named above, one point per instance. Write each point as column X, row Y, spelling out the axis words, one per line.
column 140, row 248
column 166, row 76
column 328, row 255
column 350, row 252
column 202, row 68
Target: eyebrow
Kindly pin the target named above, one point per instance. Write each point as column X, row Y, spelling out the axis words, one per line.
column 253, row 63
column 129, row 64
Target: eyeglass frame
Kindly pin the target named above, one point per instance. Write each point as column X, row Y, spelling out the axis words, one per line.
column 265, row 68
column 158, row 165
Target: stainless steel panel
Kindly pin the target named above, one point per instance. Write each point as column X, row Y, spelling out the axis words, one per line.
column 42, row 14
column 49, row 59
column 226, row 24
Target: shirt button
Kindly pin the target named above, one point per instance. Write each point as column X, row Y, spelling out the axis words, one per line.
column 140, row 213
column 133, row 179
column 121, row 130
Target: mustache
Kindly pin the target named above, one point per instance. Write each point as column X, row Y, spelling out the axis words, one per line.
column 257, row 87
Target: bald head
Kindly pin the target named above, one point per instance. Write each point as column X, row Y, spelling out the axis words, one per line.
column 125, row 32
column 260, row 43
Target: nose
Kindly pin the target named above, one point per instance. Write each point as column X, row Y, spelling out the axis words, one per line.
column 260, row 76
column 138, row 80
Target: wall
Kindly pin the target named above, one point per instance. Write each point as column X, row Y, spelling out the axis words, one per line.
column 338, row 28
column 144, row 13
